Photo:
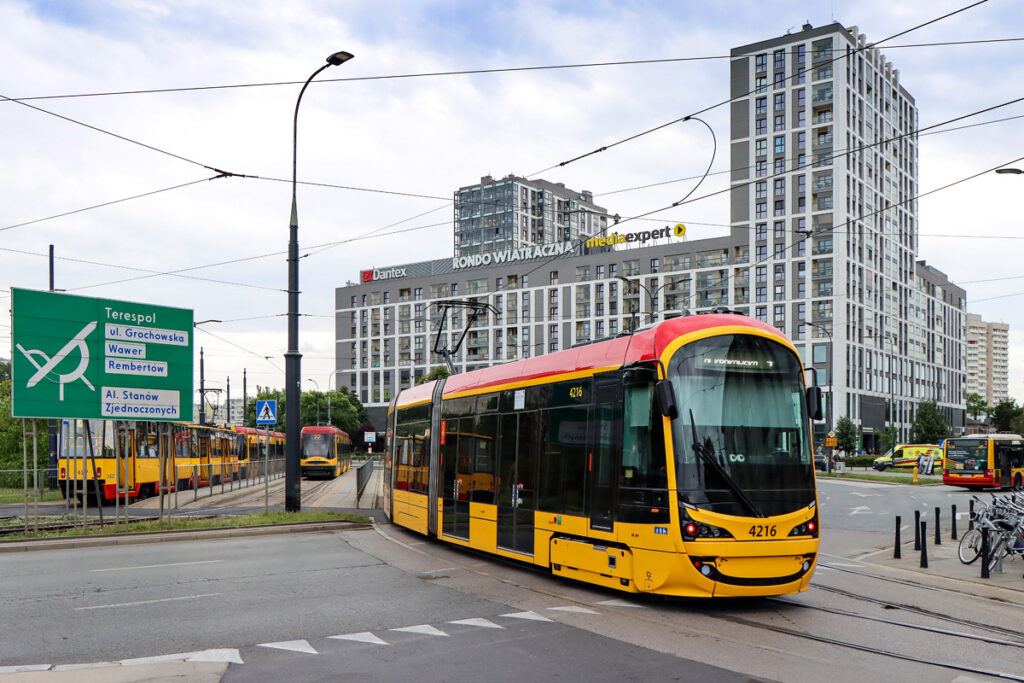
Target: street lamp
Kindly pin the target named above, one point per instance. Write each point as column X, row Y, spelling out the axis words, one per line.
column 292, row 357
column 831, row 349
column 892, row 400
column 330, row 378
column 651, row 295
column 317, row 399
column 202, row 378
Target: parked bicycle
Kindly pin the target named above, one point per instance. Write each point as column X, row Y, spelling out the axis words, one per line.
column 1003, row 518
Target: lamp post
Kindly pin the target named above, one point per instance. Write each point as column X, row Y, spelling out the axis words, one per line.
column 831, row 349
column 202, row 378
column 650, row 294
column 892, row 400
column 293, row 359
column 317, row 399
column 330, row 378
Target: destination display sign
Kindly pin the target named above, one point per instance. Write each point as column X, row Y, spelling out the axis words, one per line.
column 80, row 357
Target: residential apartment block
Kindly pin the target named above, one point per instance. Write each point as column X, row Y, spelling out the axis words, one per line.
column 988, row 359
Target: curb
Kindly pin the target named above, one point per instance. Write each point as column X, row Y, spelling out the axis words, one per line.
column 166, row 536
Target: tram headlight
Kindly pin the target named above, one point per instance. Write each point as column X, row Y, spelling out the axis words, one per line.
column 692, row 530
column 808, row 528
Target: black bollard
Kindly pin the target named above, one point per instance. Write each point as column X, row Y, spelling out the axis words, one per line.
column 970, row 516
column 924, row 545
column 917, row 529
column 984, row 553
column 952, row 525
column 896, row 551
column 938, row 537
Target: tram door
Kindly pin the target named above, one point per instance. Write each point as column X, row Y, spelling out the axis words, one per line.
column 605, row 441
column 457, row 478
column 516, row 487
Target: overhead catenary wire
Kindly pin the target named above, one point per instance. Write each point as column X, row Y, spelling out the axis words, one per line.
column 465, row 72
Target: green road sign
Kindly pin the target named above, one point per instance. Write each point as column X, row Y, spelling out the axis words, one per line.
column 78, row 357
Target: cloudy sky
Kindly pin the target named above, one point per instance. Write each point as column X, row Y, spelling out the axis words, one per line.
column 396, row 135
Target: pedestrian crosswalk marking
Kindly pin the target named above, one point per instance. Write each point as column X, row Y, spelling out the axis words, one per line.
column 293, row 646
column 363, row 637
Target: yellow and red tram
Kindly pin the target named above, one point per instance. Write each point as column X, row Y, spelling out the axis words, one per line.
column 326, row 452
column 676, row 460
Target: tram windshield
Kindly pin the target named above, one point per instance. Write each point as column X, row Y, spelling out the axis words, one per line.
column 316, row 445
column 741, row 439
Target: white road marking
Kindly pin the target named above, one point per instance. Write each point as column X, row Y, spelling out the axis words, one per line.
column 574, row 608
column 482, row 623
column 425, row 629
column 363, row 637
column 24, row 668
column 621, row 603
column 148, row 602
column 531, row 616
column 155, row 566
column 292, row 646
column 860, row 510
column 216, row 655
column 865, row 495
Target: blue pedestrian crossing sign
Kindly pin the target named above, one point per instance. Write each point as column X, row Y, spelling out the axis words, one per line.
column 266, row 412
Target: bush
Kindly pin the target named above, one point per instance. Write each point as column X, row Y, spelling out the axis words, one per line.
column 859, row 461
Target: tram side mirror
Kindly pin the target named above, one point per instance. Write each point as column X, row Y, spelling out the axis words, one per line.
column 667, row 399
column 814, row 403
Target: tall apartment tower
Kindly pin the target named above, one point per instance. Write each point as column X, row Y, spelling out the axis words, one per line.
column 988, row 359
column 513, row 213
column 824, row 161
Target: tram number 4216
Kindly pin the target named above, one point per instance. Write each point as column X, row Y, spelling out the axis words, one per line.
column 763, row 531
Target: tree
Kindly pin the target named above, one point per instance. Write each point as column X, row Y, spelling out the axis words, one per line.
column 438, row 372
column 887, row 440
column 5, row 370
column 929, row 425
column 1004, row 413
column 847, row 435
column 976, row 405
column 1017, row 424
column 11, row 456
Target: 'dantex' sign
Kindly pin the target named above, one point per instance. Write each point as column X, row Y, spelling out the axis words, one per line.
column 78, row 357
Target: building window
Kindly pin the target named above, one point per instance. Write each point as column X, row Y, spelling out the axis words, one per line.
column 761, row 312
column 613, row 270
column 761, row 62
column 761, row 169
column 760, row 210
column 760, row 189
column 760, row 231
column 760, row 147
column 761, row 105
column 780, row 273
column 780, row 251
column 780, row 187
column 801, row 75
column 780, row 80
column 654, row 265
column 761, row 126
column 780, row 101
column 780, row 207
column 418, row 293
column 780, row 122
column 780, row 292
column 760, row 252
column 553, row 278
column 761, row 294
column 780, row 229
column 780, row 166
column 761, row 84
column 600, row 272
column 801, row 98
column 780, row 144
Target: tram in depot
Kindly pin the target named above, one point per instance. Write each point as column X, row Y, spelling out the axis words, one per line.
column 108, row 459
column 676, row 460
column 979, row 461
column 326, row 452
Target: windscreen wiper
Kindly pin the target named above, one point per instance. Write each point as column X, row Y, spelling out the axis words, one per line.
column 706, row 453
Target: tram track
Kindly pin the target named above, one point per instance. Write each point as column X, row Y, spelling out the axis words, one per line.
column 721, row 612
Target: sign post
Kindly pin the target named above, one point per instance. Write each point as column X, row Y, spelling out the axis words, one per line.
column 266, row 414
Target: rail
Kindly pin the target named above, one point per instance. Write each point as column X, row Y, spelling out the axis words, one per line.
column 363, row 475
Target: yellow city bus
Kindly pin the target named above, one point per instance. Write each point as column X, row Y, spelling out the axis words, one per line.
column 981, row 461
column 675, row 461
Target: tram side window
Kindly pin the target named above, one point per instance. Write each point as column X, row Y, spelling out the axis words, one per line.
column 564, row 460
column 643, row 451
column 483, row 455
